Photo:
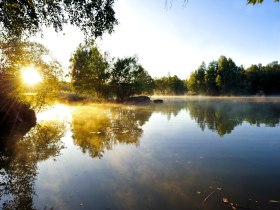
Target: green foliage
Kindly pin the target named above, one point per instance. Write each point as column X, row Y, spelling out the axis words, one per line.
column 211, row 78
column 257, row 1
column 89, row 70
column 128, row 78
column 223, row 77
column 170, row 85
column 192, row 83
column 228, row 75
column 93, row 74
column 27, row 17
column 144, row 83
column 264, row 79
column 196, row 82
column 176, row 85
column 254, row 75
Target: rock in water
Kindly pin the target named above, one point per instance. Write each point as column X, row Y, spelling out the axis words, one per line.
column 158, row 101
column 138, row 100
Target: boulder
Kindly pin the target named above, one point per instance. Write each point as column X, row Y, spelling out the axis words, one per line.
column 158, row 101
column 138, row 100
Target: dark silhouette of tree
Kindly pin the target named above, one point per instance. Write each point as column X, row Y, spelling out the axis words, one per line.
column 255, row 76
column 257, row 1
column 272, row 78
column 27, row 17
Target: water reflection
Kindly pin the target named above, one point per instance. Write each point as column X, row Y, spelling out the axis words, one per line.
column 223, row 116
column 164, row 170
column 18, row 162
column 96, row 128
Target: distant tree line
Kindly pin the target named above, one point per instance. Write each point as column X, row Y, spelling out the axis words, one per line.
column 94, row 73
column 169, row 85
column 224, row 77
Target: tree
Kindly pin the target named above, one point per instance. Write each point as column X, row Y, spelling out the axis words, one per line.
column 196, row 82
column 257, row 1
column 255, row 78
column 170, row 85
column 89, row 70
column 129, row 78
column 20, row 19
column 162, row 86
column 192, row 83
column 248, row 2
column 176, row 85
column 228, row 75
column 27, row 17
column 210, row 78
column 145, row 82
column 272, row 78
column 264, row 79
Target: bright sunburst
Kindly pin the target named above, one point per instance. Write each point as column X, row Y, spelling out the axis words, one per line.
column 31, row 76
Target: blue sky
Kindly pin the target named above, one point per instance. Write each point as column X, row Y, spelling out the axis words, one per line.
column 176, row 40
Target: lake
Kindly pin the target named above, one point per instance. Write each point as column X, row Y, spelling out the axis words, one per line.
column 187, row 153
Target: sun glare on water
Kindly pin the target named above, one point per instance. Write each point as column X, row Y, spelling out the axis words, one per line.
column 31, row 76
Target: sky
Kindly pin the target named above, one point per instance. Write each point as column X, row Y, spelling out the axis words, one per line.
column 175, row 39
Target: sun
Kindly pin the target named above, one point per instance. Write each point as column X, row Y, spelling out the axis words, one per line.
column 31, row 76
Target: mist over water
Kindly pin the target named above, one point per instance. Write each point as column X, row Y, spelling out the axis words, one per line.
column 187, row 153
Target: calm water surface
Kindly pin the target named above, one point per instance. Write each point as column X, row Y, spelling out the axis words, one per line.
column 183, row 154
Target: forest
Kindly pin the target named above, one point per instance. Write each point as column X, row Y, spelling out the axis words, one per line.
column 94, row 73
column 224, row 77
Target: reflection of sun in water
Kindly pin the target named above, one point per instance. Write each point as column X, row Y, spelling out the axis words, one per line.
column 56, row 115
column 31, row 76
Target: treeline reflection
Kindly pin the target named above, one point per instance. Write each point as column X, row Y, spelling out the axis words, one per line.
column 96, row 129
column 223, row 116
column 19, row 158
